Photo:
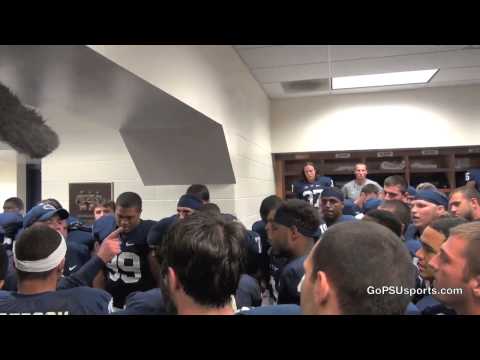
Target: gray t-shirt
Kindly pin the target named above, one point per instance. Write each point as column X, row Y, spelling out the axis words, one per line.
column 351, row 190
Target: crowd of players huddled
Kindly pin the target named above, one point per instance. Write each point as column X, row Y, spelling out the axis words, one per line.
column 363, row 249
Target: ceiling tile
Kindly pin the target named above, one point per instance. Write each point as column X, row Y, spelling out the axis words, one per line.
column 273, row 56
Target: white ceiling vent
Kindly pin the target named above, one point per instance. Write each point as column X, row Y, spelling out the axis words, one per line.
column 303, row 86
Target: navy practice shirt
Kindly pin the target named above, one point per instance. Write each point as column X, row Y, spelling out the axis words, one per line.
column 75, row 301
column 310, row 192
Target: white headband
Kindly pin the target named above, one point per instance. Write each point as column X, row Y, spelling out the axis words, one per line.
column 46, row 264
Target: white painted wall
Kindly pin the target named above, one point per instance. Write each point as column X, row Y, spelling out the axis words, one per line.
column 8, row 175
column 442, row 116
column 211, row 79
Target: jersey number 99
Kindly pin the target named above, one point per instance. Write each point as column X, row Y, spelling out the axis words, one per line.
column 125, row 266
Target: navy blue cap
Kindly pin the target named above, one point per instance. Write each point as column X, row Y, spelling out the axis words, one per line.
column 349, row 207
column 43, row 212
column 190, row 201
column 371, row 204
column 10, row 218
column 433, row 197
column 411, row 190
column 104, row 226
column 333, row 192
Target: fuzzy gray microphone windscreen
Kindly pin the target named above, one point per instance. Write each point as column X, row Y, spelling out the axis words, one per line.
column 23, row 128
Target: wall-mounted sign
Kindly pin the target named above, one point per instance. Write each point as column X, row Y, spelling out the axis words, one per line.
column 429, row 152
column 342, row 156
column 84, row 196
column 385, row 154
column 301, row 156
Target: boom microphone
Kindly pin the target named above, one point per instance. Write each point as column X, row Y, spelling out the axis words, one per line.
column 23, row 128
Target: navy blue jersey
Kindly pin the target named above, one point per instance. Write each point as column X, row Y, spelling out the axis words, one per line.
column 412, row 310
column 310, row 192
column 79, row 246
column 75, row 301
column 259, row 228
column 290, row 277
column 284, row 309
column 152, row 302
column 426, row 302
column 323, row 226
column 81, row 234
column 160, row 229
column 129, row 271
column 276, row 265
column 77, row 255
column 412, row 239
column 439, row 309
column 149, row 302
column 83, row 277
column 254, row 249
column 4, row 260
column 248, row 293
column 473, row 175
column 10, row 225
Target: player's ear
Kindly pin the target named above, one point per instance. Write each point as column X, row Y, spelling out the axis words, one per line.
column 294, row 232
column 173, row 283
column 475, row 282
column 60, row 267
column 322, row 289
column 1, row 284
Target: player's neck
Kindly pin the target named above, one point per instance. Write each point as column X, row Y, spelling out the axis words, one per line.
column 31, row 287
column 361, row 181
column 194, row 309
column 303, row 248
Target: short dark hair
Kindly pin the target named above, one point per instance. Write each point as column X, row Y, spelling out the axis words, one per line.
column 426, row 186
column 303, row 214
column 370, row 189
column 129, row 200
column 385, row 218
column 211, row 208
column 207, row 255
column 106, row 203
column 467, row 191
column 3, row 263
column 200, row 191
column 311, row 164
column 396, row 180
column 35, row 243
column 268, row 204
column 16, row 201
column 445, row 223
column 357, row 257
column 400, row 209
column 54, row 202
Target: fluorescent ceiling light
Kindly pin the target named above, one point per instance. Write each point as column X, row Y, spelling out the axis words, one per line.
column 394, row 78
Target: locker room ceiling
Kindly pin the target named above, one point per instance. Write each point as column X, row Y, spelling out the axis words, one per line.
column 273, row 65
column 78, row 90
